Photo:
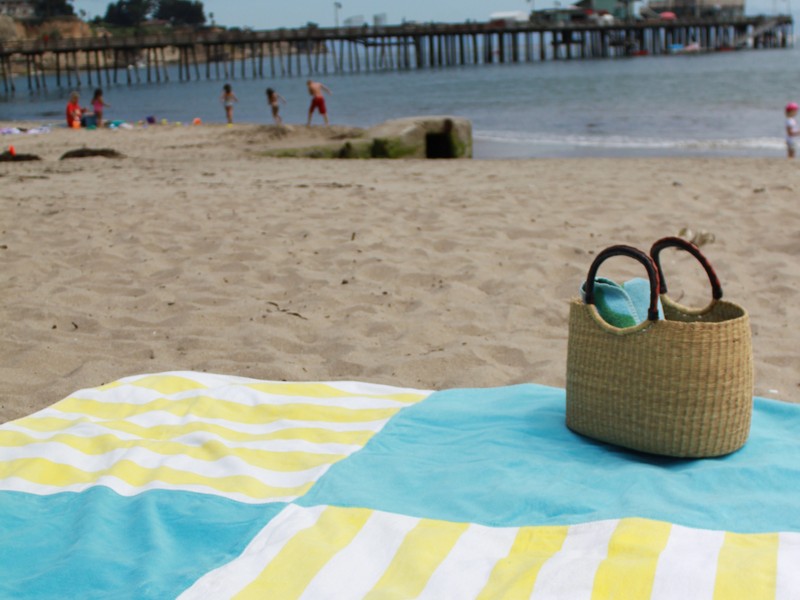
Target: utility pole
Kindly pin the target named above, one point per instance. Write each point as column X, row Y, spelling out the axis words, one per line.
column 337, row 6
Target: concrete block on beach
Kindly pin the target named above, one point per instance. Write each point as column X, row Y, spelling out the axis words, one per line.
column 422, row 137
column 411, row 137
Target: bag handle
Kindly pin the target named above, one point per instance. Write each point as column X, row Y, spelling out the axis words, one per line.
column 676, row 242
column 630, row 251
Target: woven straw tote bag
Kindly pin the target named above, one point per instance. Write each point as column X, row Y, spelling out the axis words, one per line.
column 681, row 386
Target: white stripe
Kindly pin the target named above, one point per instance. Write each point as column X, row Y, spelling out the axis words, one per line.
column 373, row 389
column 212, row 380
column 359, row 566
column 240, row 391
column 299, row 445
column 236, row 395
column 229, row 579
column 17, row 484
column 82, row 429
column 687, row 567
column 147, row 459
column 570, row 572
column 788, row 582
column 246, row 396
column 155, row 418
column 466, row 569
column 196, row 439
column 120, row 395
column 261, row 398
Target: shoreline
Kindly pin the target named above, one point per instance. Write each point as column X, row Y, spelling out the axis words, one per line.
column 487, row 147
column 492, row 149
column 195, row 253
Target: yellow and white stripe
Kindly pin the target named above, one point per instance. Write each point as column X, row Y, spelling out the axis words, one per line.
column 331, row 552
column 245, row 439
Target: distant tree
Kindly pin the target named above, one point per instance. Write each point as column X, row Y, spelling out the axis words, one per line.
column 181, row 12
column 128, row 13
column 53, row 8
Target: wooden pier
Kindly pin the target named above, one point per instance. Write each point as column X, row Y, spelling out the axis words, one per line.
column 312, row 51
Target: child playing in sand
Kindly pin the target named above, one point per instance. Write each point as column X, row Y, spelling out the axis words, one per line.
column 791, row 129
column 74, row 111
column 273, row 99
column 228, row 99
column 97, row 105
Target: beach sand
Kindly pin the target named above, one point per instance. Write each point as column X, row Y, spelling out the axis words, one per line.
column 195, row 253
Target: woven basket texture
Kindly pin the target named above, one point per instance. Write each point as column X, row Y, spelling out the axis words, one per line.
column 678, row 387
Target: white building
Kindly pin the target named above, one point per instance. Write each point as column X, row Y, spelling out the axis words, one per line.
column 700, row 8
column 509, row 17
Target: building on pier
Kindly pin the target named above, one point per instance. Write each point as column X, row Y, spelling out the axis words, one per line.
column 700, row 8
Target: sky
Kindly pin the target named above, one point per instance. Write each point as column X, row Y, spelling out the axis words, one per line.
column 272, row 14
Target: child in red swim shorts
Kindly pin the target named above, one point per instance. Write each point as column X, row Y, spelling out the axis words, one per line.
column 315, row 90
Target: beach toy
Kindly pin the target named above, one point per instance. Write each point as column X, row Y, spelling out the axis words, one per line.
column 196, row 121
column 164, row 121
column 12, row 151
column 76, row 124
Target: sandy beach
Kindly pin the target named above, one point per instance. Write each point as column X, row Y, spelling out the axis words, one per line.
column 194, row 252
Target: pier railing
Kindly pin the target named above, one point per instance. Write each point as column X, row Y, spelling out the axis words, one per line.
column 311, row 50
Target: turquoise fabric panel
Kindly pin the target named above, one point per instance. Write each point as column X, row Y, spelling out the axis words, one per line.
column 623, row 305
column 504, row 457
column 94, row 544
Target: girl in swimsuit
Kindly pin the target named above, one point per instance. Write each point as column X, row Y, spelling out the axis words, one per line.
column 97, row 105
column 228, row 99
column 791, row 129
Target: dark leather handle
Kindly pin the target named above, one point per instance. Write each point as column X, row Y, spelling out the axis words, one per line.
column 630, row 251
column 676, row 242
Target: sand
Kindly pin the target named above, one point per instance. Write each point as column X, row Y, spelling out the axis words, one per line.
column 195, row 253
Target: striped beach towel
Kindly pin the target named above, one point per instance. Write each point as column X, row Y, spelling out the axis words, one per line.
column 191, row 485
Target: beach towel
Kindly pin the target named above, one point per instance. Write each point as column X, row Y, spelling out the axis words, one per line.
column 193, row 485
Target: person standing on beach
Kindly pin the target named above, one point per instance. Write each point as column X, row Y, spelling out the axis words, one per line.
column 74, row 111
column 97, row 105
column 228, row 99
column 273, row 99
column 315, row 90
column 791, row 129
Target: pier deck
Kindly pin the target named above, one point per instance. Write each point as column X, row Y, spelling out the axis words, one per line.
column 310, row 51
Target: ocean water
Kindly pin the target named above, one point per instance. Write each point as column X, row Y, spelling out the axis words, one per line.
column 723, row 103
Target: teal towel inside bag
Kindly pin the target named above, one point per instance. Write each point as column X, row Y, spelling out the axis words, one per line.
column 622, row 305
